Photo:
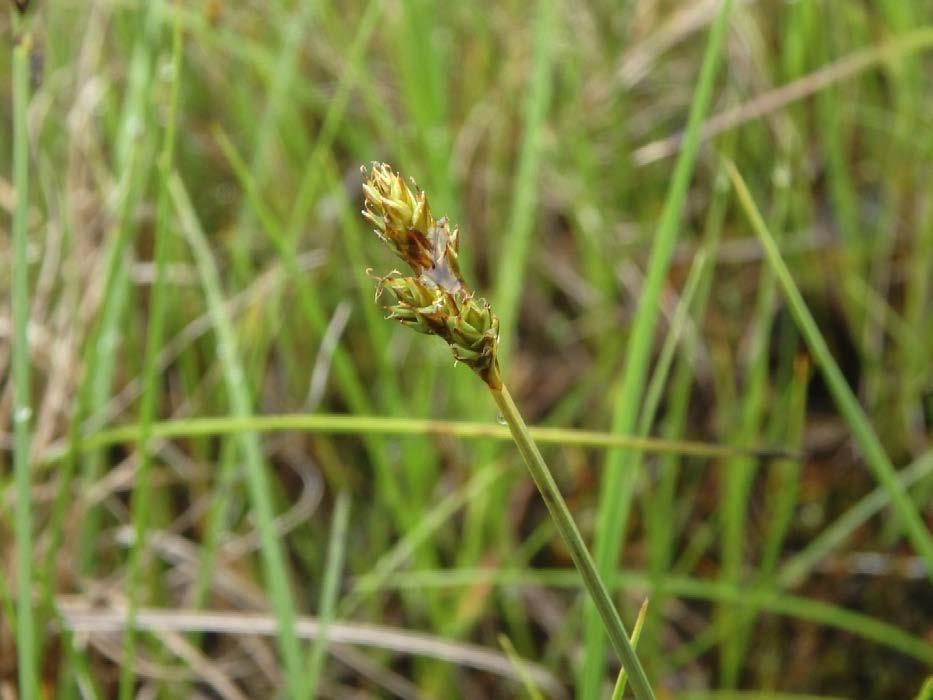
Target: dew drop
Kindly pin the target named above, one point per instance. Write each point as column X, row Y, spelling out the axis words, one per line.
column 500, row 419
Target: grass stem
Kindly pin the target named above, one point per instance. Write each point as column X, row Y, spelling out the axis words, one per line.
column 622, row 680
column 256, row 470
column 560, row 514
column 330, row 588
column 344, row 424
column 22, row 413
column 158, row 305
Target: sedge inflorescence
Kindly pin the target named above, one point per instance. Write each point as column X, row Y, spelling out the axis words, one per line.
column 434, row 300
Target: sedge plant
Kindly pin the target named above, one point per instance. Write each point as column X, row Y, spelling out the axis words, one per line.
column 435, row 300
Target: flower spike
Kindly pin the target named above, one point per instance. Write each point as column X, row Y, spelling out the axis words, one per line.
column 435, row 300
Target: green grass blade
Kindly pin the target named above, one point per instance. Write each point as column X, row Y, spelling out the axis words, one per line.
column 738, row 475
column 513, row 257
column 843, row 69
column 141, row 498
column 926, row 691
column 275, row 570
column 815, row 611
column 527, row 681
column 662, row 507
column 392, row 560
column 22, row 411
column 617, row 481
column 278, row 95
column 313, row 176
column 655, row 391
column 846, row 401
column 751, row 695
column 795, row 569
column 344, row 371
column 336, row 552
column 133, row 148
column 343, row 424
column 619, row 690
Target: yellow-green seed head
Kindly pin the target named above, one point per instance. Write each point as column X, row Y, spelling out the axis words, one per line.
column 435, row 301
column 473, row 335
column 401, row 217
column 419, row 305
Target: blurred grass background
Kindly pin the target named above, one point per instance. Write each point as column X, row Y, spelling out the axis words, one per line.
column 193, row 249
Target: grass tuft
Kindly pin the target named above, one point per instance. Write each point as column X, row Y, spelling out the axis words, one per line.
column 195, row 381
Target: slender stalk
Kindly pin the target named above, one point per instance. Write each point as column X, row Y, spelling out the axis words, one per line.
column 141, row 503
column 517, row 245
column 527, row 682
column 795, row 569
column 617, row 483
column 25, row 630
column 574, row 541
column 343, row 424
column 846, row 401
column 622, row 680
column 330, row 588
column 255, row 470
column 777, row 602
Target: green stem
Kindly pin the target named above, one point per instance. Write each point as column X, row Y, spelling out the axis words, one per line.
column 330, row 589
column 574, row 541
column 141, row 495
column 25, row 630
column 622, row 680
